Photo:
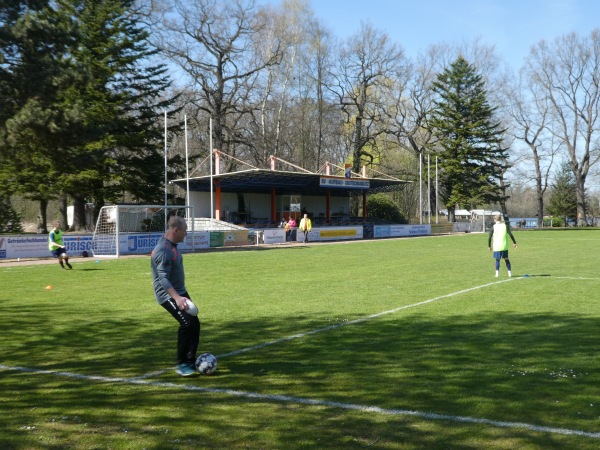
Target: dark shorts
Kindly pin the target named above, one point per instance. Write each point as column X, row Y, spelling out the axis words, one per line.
column 500, row 255
column 59, row 251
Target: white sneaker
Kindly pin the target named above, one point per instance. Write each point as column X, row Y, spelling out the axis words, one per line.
column 509, row 274
column 497, row 274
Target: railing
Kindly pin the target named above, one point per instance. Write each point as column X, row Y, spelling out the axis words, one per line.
column 208, row 224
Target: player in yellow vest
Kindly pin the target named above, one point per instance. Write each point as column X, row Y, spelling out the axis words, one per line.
column 57, row 247
column 498, row 242
column 305, row 226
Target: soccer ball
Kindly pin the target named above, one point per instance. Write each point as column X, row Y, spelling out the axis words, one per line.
column 206, row 363
column 192, row 309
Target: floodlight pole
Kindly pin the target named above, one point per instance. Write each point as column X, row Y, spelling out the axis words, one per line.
column 428, row 190
column 187, row 169
column 166, row 196
column 421, row 188
column 436, row 190
column 211, row 167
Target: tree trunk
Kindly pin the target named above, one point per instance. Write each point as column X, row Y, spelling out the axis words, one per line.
column 64, row 218
column 539, row 186
column 79, row 222
column 42, row 217
column 580, row 189
column 540, row 203
column 451, row 216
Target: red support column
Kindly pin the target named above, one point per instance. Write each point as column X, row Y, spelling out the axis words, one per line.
column 218, row 199
column 273, row 206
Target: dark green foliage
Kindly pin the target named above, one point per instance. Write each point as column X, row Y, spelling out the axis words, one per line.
column 124, row 107
column 380, row 206
column 33, row 42
column 81, row 104
column 10, row 221
column 472, row 158
column 563, row 195
column 554, row 222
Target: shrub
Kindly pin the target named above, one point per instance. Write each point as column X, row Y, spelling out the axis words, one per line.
column 382, row 207
column 555, row 222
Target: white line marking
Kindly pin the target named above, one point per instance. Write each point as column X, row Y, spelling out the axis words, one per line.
column 338, row 325
column 362, row 319
column 150, row 374
column 313, row 402
column 575, row 278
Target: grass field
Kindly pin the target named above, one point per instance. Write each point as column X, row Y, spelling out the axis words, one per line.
column 390, row 344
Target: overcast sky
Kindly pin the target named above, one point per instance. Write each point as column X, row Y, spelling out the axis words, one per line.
column 512, row 26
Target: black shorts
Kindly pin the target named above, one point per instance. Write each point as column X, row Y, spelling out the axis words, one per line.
column 57, row 252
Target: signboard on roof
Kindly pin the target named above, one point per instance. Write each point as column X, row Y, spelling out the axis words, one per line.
column 344, row 183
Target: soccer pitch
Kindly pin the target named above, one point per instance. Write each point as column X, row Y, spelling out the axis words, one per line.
column 395, row 344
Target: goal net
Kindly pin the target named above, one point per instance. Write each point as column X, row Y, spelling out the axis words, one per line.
column 118, row 224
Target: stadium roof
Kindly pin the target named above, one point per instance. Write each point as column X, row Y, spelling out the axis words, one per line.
column 285, row 183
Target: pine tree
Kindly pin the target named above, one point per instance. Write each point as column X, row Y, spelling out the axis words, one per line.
column 33, row 39
column 81, row 104
column 471, row 155
column 10, row 220
column 122, row 97
column 563, row 194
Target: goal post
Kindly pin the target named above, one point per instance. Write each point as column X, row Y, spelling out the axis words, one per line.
column 116, row 222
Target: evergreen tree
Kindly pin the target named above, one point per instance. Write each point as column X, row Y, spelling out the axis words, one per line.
column 33, row 42
column 121, row 95
column 472, row 158
column 563, row 194
column 10, row 220
column 82, row 104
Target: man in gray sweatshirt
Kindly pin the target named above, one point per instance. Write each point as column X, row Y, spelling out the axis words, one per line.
column 168, row 278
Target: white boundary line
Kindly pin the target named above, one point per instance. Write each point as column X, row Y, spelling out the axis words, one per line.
column 362, row 319
column 313, row 402
column 339, row 325
column 574, row 278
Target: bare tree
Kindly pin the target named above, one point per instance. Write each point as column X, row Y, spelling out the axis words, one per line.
column 216, row 45
column 568, row 73
column 296, row 120
column 367, row 63
column 324, row 119
column 530, row 112
column 287, row 28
